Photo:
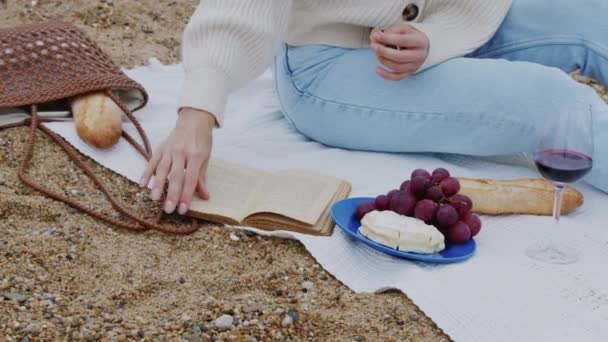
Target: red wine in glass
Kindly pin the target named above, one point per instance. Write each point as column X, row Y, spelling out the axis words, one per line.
column 563, row 156
column 563, row 166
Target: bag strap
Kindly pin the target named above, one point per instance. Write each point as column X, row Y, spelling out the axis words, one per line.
column 145, row 151
column 141, row 223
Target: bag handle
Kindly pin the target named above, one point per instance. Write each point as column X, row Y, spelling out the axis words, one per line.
column 142, row 224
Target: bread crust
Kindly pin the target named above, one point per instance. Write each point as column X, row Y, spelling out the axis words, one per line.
column 98, row 119
column 518, row 196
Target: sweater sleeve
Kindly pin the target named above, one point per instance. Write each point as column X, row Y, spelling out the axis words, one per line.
column 458, row 27
column 226, row 44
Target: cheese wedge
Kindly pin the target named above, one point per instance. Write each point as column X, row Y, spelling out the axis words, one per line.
column 401, row 232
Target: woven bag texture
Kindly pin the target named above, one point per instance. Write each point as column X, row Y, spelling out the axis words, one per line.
column 52, row 61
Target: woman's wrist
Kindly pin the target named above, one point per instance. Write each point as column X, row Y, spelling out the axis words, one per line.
column 197, row 117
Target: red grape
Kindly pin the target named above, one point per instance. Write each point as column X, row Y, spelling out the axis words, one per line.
column 381, row 203
column 405, row 186
column 439, row 175
column 392, row 194
column 403, row 204
column 425, row 210
column 447, row 216
column 421, row 173
column 434, row 194
column 459, row 233
column 462, row 203
column 450, row 186
column 474, row 223
column 364, row 209
column 419, row 185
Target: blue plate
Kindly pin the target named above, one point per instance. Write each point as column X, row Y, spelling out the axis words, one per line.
column 343, row 213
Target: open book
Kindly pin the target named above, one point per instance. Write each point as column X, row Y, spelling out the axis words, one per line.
column 291, row 200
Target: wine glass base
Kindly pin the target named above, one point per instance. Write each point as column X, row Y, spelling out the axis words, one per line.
column 553, row 255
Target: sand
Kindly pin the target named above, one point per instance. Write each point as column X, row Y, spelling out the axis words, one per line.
column 73, row 278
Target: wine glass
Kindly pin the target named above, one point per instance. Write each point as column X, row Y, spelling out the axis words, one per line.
column 563, row 156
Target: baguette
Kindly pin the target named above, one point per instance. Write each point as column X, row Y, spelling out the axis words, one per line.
column 518, row 196
column 98, row 119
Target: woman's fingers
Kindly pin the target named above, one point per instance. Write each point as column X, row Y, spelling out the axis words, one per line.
column 391, row 76
column 201, row 185
column 407, row 41
column 397, row 56
column 176, row 181
column 160, row 177
column 398, row 67
column 401, row 49
column 400, row 28
column 193, row 169
column 152, row 164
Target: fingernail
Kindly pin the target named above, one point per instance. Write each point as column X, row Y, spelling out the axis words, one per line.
column 376, row 35
column 169, row 207
column 156, row 192
column 375, row 47
column 183, row 208
column 142, row 182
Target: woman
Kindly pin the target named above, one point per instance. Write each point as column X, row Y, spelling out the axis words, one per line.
column 473, row 77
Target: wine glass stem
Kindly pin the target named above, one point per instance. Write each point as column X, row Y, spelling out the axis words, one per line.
column 557, row 201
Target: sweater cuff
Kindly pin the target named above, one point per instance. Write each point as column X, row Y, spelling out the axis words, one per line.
column 206, row 89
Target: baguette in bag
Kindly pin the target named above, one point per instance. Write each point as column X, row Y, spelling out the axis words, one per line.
column 98, row 119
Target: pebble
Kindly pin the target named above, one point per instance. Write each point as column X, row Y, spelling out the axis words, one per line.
column 2, row 180
column 25, row 339
column 186, row 318
column 32, row 329
column 3, row 245
column 307, row 285
column 17, row 297
column 293, row 315
column 76, row 192
column 224, row 322
column 287, row 321
column 233, row 237
column 49, row 297
column 413, row 316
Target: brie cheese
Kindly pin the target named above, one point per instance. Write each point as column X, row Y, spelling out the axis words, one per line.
column 400, row 232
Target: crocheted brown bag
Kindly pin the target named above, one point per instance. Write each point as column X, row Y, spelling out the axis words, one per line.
column 46, row 65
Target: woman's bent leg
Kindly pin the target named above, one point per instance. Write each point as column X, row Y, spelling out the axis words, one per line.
column 479, row 107
column 569, row 35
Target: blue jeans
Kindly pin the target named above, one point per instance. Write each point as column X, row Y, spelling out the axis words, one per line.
column 495, row 101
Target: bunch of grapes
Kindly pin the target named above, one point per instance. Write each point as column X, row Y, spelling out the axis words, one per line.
column 434, row 199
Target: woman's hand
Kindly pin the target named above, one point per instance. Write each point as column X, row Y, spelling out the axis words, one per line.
column 182, row 160
column 401, row 49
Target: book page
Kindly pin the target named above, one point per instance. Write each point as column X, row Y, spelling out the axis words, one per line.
column 232, row 190
column 299, row 195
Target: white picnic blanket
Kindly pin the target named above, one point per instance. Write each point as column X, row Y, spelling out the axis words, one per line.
column 498, row 295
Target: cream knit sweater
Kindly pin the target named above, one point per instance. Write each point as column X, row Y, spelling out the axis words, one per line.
column 230, row 42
